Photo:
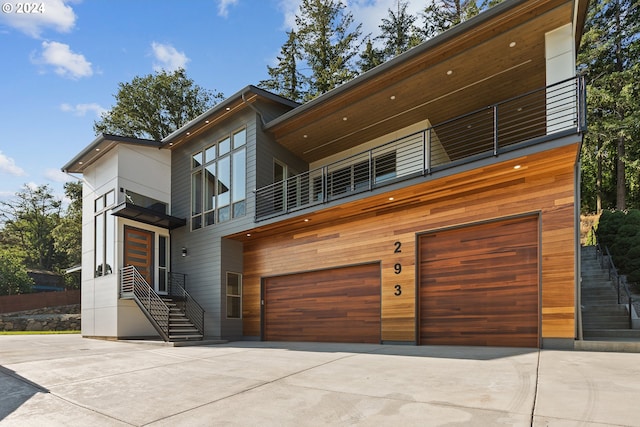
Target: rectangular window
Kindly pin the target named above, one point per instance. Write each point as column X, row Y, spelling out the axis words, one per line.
column 163, row 263
column 219, row 181
column 104, row 232
column 234, row 295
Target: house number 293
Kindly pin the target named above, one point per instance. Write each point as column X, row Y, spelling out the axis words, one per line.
column 397, row 268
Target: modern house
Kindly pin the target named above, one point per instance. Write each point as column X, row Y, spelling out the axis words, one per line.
column 431, row 200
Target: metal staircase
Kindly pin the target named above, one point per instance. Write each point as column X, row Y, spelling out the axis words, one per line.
column 176, row 317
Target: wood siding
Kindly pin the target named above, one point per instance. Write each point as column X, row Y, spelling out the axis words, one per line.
column 370, row 230
column 336, row 305
column 479, row 284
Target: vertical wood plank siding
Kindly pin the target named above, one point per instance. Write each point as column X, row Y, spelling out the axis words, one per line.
column 367, row 230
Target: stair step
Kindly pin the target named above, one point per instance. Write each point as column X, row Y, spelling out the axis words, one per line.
column 612, row 333
column 185, row 337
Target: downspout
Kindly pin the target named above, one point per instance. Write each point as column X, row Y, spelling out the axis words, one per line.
column 578, row 260
column 262, row 121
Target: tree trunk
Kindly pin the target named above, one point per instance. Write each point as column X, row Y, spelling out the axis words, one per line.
column 598, row 178
column 621, row 184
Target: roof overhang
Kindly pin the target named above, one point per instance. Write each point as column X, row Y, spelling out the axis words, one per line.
column 147, row 216
column 492, row 57
column 248, row 97
column 99, row 147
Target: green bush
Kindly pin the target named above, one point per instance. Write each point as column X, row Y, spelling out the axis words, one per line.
column 620, row 232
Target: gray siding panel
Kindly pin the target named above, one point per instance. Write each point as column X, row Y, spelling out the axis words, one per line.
column 210, row 256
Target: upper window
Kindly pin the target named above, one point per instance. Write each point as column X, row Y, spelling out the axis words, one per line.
column 218, row 181
column 234, row 295
column 104, row 228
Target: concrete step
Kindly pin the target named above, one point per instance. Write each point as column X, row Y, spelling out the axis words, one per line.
column 606, row 310
column 610, row 324
column 627, row 334
column 607, row 345
column 185, row 337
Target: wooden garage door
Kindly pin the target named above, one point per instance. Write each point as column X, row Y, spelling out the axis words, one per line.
column 479, row 285
column 337, row 305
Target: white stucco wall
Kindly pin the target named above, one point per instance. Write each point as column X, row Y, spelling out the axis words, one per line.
column 146, row 171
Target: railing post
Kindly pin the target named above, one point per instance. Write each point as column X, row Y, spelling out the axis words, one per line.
column 426, row 150
column 325, row 184
column 495, row 130
column 372, row 175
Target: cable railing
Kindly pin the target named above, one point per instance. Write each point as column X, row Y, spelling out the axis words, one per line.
column 134, row 286
column 190, row 307
column 526, row 119
column 620, row 281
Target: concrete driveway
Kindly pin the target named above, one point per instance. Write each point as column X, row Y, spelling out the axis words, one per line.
column 65, row 380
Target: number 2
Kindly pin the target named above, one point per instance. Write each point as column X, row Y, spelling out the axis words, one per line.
column 398, row 245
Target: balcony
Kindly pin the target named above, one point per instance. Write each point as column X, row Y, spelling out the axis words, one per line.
column 528, row 119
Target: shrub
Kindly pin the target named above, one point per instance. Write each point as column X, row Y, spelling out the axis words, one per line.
column 620, row 232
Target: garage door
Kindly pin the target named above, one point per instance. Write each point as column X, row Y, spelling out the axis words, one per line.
column 337, row 305
column 479, row 285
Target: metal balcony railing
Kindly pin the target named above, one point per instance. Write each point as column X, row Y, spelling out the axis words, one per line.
column 526, row 119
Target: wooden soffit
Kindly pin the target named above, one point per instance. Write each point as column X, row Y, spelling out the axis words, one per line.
column 495, row 56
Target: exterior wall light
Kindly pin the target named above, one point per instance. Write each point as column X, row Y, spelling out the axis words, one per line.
column 184, row 252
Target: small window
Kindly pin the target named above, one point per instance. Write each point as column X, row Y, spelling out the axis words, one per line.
column 234, row 295
column 104, row 234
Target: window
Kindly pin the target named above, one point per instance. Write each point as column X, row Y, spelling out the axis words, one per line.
column 219, row 182
column 104, row 228
column 234, row 295
column 163, row 263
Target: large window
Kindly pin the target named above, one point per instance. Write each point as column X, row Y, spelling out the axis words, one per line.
column 218, row 181
column 234, row 295
column 104, row 224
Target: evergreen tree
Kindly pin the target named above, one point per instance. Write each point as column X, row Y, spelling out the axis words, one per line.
column 328, row 44
column 370, row 57
column 398, row 31
column 441, row 15
column 285, row 79
column 611, row 153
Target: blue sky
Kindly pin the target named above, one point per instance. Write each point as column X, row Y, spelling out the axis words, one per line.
column 61, row 65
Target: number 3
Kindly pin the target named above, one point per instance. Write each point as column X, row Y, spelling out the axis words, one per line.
column 398, row 291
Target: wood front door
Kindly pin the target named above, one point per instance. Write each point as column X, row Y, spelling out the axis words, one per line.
column 138, row 251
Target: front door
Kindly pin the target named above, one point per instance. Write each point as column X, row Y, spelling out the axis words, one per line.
column 138, row 251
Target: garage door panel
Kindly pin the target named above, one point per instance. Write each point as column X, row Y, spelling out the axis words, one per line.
column 338, row 305
column 479, row 285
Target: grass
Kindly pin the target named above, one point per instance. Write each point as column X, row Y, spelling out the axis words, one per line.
column 37, row 332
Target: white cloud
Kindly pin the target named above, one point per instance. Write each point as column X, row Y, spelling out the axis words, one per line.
column 8, row 165
column 57, row 175
column 81, row 110
column 52, row 14
column 65, row 62
column 167, row 57
column 223, row 7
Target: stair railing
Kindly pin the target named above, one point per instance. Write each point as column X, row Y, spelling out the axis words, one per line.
column 193, row 310
column 134, row 286
column 606, row 261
